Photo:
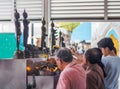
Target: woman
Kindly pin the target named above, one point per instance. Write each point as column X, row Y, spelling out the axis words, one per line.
column 94, row 69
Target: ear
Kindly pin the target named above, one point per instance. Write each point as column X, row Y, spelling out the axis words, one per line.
column 107, row 50
column 61, row 62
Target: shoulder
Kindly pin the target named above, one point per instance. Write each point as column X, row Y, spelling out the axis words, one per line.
column 73, row 70
column 94, row 72
column 106, row 60
column 109, row 59
column 90, row 76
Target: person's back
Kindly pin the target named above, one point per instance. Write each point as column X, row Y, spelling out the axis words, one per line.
column 112, row 69
column 72, row 75
column 95, row 78
column 94, row 69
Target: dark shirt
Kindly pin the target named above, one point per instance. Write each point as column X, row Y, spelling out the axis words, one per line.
column 95, row 77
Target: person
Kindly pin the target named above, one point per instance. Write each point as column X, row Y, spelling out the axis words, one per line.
column 111, row 63
column 72, row 74
column 94, row 69
column 80, row 50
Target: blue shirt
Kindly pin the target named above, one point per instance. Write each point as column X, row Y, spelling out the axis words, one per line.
column 112, row 69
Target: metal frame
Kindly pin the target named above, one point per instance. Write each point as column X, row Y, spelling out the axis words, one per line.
column 46, row 13
column 105, row 10
column 100, row 19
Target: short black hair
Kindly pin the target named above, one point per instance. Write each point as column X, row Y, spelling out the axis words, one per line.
column 64, row 54
column 93, row 55
column 106, row 42
column 115, row 51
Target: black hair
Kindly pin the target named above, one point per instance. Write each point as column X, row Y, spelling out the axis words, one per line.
column 64, row 54
column 115, row 51
column 93, row 56
column 106, row 42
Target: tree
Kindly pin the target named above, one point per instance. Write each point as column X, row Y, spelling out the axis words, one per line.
column 69, row 25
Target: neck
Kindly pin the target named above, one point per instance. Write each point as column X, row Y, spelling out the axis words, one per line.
column 88, row 64
column 111, row 53
column 64, row 65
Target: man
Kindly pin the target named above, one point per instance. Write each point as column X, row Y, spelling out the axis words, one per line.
column 111, row 63
column 72, row 75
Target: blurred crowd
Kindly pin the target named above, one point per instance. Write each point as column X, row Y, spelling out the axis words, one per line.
column 95, row 68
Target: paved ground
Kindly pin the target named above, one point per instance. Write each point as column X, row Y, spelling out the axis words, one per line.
column 42, row 82
column 13, row 74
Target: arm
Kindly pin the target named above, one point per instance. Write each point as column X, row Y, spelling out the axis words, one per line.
column 76, row 56
column 63, row 83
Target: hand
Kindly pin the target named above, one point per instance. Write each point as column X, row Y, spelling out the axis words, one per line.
column 72, row 50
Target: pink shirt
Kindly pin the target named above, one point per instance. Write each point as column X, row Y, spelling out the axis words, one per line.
column 72, row 77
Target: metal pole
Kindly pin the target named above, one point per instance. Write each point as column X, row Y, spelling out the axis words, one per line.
column 105, row 10
column 32, row 34
column 46, row 17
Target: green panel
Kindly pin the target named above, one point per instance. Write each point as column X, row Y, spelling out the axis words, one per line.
column 7, row 45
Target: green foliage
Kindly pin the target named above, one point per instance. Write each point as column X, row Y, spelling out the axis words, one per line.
column 68, row 25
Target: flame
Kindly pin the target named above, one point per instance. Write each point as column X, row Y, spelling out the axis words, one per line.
column 28, row 68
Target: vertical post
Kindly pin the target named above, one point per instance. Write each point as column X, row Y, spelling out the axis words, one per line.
column 13, row 9
column 27, row 81
column 34, row 81
column 14, row 5
column 32, row 34
column 105, row 10
column 46, row 13
column 46, row 17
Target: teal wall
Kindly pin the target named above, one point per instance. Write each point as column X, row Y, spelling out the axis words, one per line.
column 7, row 45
